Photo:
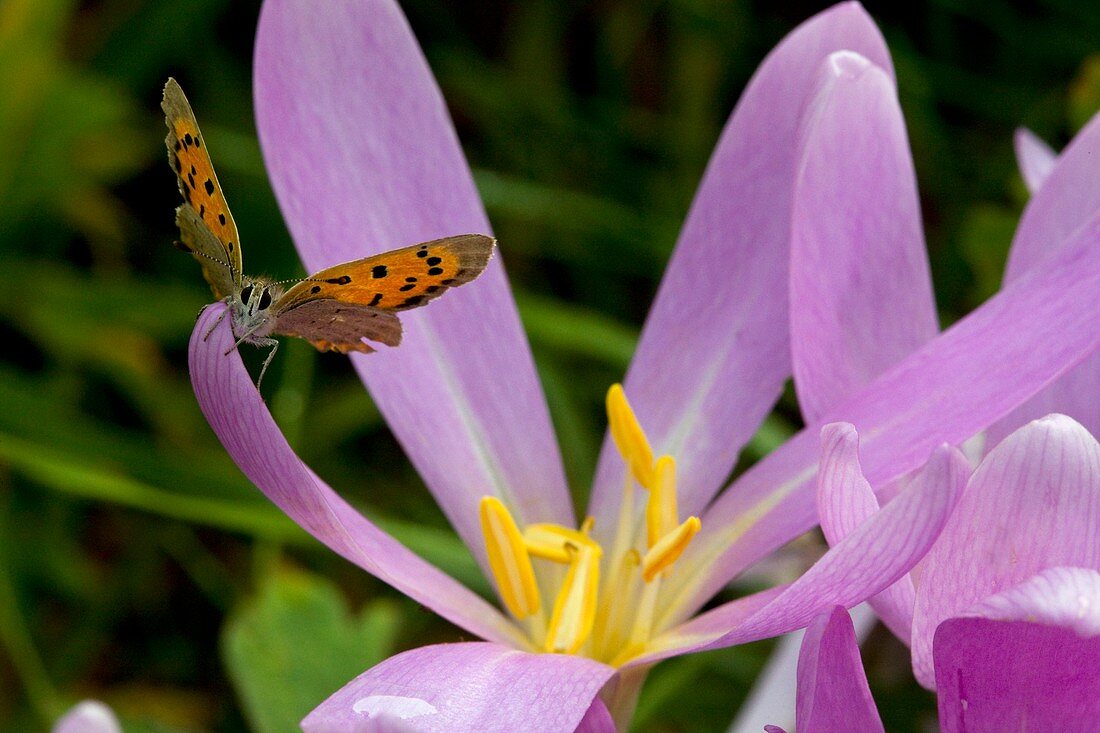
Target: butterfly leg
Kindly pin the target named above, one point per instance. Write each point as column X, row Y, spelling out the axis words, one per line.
column 274, row 344
column 216, row 323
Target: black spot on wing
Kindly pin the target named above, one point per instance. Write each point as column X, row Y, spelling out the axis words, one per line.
column 414, row 300
column 407, row 288
column 342, row 280
column 378, row 272
column 209, row 185
column 433, row 261
column 435, row 270
column 375, row 300
column 315, row 289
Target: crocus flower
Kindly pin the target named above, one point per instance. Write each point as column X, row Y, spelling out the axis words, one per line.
column 362, row 156
column 1005, row 610
column 1025, row 659
column 90, row 716
column 1021, row 545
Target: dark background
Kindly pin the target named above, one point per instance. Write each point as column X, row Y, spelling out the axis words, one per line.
column 139, row 567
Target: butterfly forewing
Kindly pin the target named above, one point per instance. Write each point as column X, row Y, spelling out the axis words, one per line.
column 196, row 238
column 401, row 279
column 198, row 183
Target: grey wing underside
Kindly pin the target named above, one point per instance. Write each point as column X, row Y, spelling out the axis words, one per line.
column 332, row 325
column 197, row 239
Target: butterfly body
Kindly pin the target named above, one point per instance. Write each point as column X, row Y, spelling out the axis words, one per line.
column 334, row 309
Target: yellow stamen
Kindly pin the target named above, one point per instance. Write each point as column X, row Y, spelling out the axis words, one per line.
column 661, row 556
column 549, row 541
column 660, row 509
column 575, row 607
column 628, row 436
column 508, row 559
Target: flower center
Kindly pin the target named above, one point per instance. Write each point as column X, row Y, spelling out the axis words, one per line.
column 602, row 612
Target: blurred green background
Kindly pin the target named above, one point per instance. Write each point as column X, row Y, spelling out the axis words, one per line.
column 139, row 567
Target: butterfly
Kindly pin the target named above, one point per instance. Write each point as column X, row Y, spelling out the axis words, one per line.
column 334, row 309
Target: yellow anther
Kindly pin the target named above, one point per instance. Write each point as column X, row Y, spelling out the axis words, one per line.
column 587, row 525
column 549, row 541
column 575, row 607
column 661, row 556
column 660, row 509
column 628, row 436
column 508, row 559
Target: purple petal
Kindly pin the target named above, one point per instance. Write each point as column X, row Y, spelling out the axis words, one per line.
column 597, row 719
column 832, row 688
column 996, row 358
column 845, row 501
column 1069, row 201
column 90, row 716
column 1033, row 503
column 1069, row 197
column 721, row 310
column 861, row 291
column 468, row 687
column 995, row 676
column 363, row 158
column 1066, row 597
column 1035, row 158
column 239, row 417
column 864, row 563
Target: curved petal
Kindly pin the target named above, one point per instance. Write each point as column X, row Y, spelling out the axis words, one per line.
column 773, row 695
column 994, row 676
column 90, row 716
column 1072, row 198
column 832, row 687
column 1068, row 198
column 242, row 422
column 955, row 386
column 1033, row 503
column 363, row 157
column 722, row 305
column 1035, row 158
column 597, row 720
column 470, row 686
column 845, row 501
column 861, row 565
column 1063, row 596
column 861, row 290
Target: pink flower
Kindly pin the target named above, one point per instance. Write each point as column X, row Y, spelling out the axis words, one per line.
column 363, row 156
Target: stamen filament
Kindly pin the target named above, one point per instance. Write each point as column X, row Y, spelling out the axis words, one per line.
column 661, row 556
column 509, row 559
column 575, row 607
column 661, row 510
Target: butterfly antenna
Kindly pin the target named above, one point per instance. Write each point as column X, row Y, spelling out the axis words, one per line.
column 192, row 251
column 297, row 280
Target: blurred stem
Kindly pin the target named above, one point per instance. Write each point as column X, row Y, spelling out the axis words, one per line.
column 206, row 571
column 16, row 638
column 624, row 696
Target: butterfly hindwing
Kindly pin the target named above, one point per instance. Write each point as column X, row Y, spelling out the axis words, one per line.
column 331, row 325
column 401, row 279
column 197, row 239
column 198, row 183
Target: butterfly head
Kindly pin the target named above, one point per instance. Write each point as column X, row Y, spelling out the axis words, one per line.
column 252, row 307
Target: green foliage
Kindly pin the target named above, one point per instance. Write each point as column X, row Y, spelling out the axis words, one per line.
column 295, row 643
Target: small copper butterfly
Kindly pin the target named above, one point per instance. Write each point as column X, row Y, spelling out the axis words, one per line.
column 334, row 309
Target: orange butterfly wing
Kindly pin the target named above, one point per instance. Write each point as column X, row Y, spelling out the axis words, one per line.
column 385, row 283
column 198, row 183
